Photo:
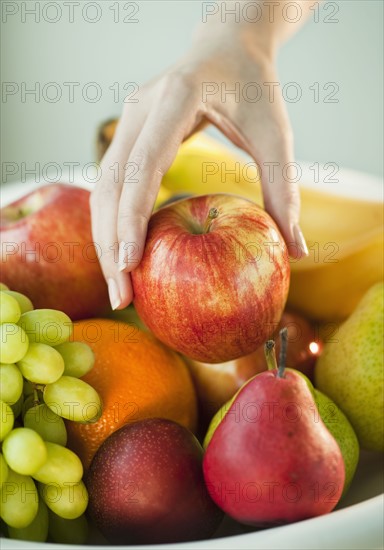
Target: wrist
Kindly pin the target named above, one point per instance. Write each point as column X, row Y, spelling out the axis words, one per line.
column 258, row 39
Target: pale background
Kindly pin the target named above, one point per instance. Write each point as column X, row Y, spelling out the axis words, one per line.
column 349, row 53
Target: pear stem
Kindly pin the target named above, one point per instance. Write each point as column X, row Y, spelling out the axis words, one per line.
column 212, row 214
column 270, row 355
column 283, row 352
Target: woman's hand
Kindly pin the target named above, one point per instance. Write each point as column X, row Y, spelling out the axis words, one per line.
column 170, row 109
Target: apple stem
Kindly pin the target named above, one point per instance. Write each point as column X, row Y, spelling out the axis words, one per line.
column 283, row 352
column 212, row 214
column 270, row 355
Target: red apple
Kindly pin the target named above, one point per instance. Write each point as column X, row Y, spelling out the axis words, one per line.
column 146, row 485
column 214, row 277
column 47, row 251
column 216, row 383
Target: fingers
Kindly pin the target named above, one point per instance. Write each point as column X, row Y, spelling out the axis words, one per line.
column 123, row 200
column 104, row 208
column 281, row 191
column 265, row 133
column 152, row 154
column 271, row 142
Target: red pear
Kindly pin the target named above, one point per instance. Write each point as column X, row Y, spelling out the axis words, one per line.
column 271, row 459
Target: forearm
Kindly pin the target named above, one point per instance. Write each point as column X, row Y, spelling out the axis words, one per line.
column 261, row 25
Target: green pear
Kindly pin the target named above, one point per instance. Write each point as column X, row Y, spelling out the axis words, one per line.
column 350, row 370
column 217, row 418
column 341, row 429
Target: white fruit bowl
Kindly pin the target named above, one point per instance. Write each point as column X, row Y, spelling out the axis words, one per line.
column 357, row 522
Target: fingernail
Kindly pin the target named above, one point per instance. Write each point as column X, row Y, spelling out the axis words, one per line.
column 299, row 239
column 122, row 256
column 114, row 295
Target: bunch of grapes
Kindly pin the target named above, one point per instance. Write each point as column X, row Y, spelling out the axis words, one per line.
column 41, row 487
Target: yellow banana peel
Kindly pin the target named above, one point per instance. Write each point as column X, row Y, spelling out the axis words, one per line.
column 163, row 195
column 345, row 241
column 204, row 165
column 344, row 235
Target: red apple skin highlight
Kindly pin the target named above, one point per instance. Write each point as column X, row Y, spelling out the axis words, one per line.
column 217, row 295
column 271, row 460
column 146, row 486
column 64, row 273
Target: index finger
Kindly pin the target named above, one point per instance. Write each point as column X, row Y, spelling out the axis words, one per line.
column 151, row 156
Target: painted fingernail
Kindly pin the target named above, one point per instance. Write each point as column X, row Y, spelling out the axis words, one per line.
column 299, row 239
column 114, row 295
column 122, row 256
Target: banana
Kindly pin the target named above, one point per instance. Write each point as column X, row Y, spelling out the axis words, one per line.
column 345, row 241
column 163, row 195
column 204, row 165
column 344, row 235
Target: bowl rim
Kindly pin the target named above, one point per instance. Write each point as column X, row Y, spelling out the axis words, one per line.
column 352, row 183
column 325, row 532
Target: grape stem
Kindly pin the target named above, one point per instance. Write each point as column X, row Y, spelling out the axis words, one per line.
column 283, row 352
column 36, row 400
column 270, row 355
column 36, row 388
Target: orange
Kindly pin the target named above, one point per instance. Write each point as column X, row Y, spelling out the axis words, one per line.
column 136, row 376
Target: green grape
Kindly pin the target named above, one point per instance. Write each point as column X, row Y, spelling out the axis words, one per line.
column 25, row 451
column 28, row 403
column 3, row 286
column 48, row 424
column 68, row 531
column 41, row 364
column 28, row 388
column 3, row 471
column 62, row 466
column 19, row 500
column 13, row 343
column 11, row 383
column 9, row 309
column 78, row 358
column 73, row 399
column 24, row 302
column 7, row 420
column 18, row 406
column 46, row 326
column 68, row 501
column 37, row 531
